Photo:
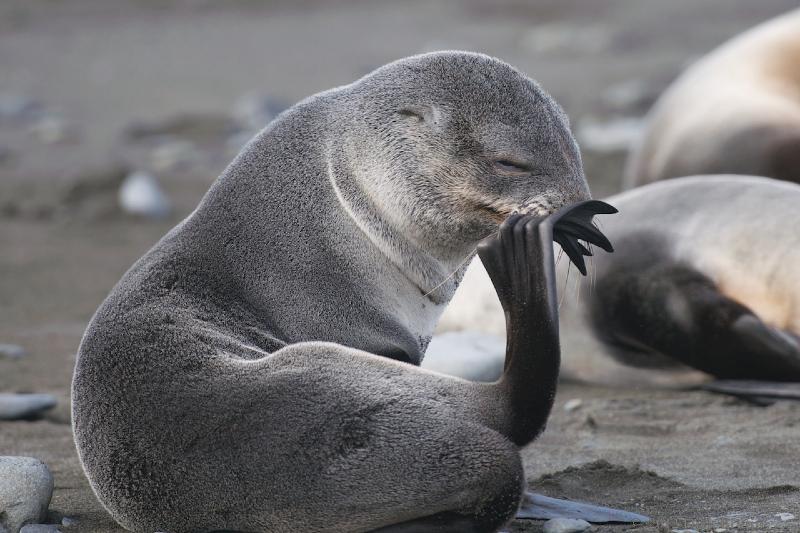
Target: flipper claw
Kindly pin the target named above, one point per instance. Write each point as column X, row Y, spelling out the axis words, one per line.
column 574, row 222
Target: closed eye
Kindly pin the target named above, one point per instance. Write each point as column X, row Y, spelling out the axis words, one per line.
column 511, row 166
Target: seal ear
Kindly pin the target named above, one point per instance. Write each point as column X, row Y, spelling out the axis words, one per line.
column 430, row 114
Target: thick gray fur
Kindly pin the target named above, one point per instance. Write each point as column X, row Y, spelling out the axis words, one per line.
column 229, row 380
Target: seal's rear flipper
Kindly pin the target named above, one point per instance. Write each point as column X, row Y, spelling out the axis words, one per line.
column 538, row 507
column 760, row 391
column 647, row 311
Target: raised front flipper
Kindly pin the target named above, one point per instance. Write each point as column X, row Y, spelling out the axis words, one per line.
column 519, row 260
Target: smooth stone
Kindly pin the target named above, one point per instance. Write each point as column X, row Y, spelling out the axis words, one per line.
column 16, row 406
column 573, row 404
column 566, row 525
column 470, row 355
column 68, row 521
column 40, row 528
column 12, row 351
column 53, row 130
column 173, row 155
column 26, row 486
column 141, row 195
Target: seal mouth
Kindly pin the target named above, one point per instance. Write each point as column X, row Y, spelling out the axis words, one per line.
column 496, row 214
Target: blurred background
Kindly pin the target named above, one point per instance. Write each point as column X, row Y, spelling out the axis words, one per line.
column 115, row 116
column 165, row 92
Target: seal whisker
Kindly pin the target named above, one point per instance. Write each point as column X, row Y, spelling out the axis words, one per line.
column 453, row 273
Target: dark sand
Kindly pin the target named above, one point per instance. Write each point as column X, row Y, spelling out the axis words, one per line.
column 688, row 459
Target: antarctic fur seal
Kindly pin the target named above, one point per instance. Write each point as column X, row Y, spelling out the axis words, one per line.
column 695, row 288
column 232, row 378
column 735, row 111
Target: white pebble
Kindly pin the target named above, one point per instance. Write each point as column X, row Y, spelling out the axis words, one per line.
column 573, row 404
column 40, row 528
column 785, row 517
column 566, row 525
column 26, row 487
column 11, row 351
column 140, row 194
column 16, row 406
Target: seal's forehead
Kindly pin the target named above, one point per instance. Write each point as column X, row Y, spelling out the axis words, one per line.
column 467, row 79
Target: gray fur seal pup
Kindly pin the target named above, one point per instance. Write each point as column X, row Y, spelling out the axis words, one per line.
column 694, row 289
column 232, row 378
column 736, row 111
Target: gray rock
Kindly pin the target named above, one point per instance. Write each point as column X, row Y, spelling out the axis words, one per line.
column 141, row 195
column 566, row 525
column 68, row 521
column 40, row 528
column 20, row 406
column 53, row 130
column 12, row 351
column 467, row 354
column 26, row 487
column 173, row 154
column 195, row 127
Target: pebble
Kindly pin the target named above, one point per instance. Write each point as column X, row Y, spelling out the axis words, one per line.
column 173, row 155
column 608, row 136
column 40, row 528
column 12, row 351
column 785, row 517
column 53, row 130
column 566, row 38
column 68, row 521
column 470, row 355
column 141, row 195
column 573, row 404
column 20, row 406
column 26, row 487
column 566, row 525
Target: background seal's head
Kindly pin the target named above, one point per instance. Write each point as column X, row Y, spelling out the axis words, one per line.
column 446, row 145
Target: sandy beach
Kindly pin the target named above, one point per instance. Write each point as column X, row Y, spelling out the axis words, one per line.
column 162, row 87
